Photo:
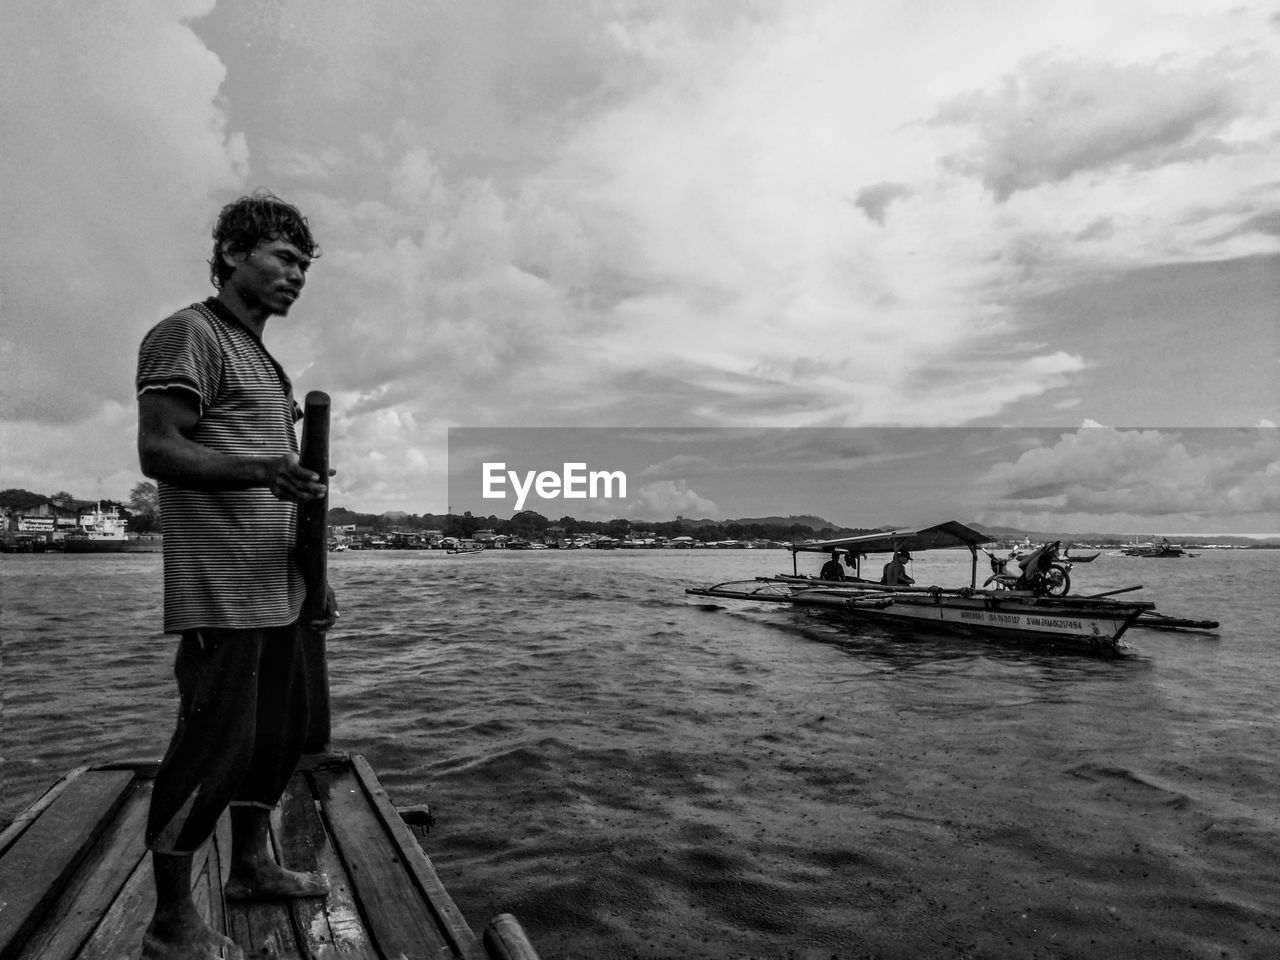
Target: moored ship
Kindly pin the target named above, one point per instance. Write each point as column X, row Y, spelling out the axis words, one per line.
column 104, row 531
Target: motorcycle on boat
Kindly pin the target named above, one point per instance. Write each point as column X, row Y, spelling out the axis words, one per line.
column 1046, row 572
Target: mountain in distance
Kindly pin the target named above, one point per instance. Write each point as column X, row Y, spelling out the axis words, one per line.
column 810, row 521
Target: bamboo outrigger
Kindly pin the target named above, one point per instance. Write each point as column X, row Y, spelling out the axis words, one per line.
column 76, row 881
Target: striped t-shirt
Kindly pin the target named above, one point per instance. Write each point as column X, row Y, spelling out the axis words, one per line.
column 228, row 554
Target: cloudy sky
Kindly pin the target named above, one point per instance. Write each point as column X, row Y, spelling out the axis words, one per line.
column 1095, row 479
column 701, row 213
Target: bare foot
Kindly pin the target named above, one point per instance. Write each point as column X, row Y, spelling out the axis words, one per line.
column 188, row 943
column 274, row 881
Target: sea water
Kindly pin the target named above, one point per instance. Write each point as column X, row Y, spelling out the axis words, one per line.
column 638, row 774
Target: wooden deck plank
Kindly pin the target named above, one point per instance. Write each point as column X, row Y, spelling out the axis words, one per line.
column 398, row 918
column 19, row 824
column 40, row 861
column 298, row 835
column 119, row 935
column 446, row 913
column 261, row 927
column 65, row 928
column 96, row 896
column 332, row 927
column 217, row 867
column 346, row 925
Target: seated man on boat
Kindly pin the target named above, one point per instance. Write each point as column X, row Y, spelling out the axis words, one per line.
column 831, row 570
column 895, row 571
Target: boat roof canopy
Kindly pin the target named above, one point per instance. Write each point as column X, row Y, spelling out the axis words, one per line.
column 941, row 536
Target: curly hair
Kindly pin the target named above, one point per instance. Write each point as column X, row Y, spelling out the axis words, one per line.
column 257, row 218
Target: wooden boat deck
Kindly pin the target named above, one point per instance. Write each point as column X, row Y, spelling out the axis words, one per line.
column 76, row 884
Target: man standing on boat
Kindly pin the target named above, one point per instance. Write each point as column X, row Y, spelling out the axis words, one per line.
column 216, row 429
column 895, row 571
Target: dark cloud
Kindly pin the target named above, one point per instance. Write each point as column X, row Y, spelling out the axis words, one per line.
column 875, row 200
column 1043, row 491
column 1055, row 118
column 1190, row 344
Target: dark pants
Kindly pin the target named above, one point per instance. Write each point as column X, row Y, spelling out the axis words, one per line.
column 242, row 722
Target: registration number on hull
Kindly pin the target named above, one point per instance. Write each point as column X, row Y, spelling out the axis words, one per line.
column 998, row 620
column 1020, row 620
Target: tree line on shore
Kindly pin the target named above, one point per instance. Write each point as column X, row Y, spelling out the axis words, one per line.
column 142, row 513
column 533, row 525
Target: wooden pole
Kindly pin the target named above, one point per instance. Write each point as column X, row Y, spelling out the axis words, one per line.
column 505, row 939
column 1112, row 593
column 312, row 557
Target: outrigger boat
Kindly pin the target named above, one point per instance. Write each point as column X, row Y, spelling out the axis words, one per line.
column 1161, row 550
column 1021, row 609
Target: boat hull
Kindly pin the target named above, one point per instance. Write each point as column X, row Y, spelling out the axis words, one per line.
column 1081, row 628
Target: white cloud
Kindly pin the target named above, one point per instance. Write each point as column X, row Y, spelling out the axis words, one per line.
column 387, row 459
column 97, row 461
column 786, row 232
column 1103, row 472
column 666, row 499
column 118, row 149
column 679, row 466
column 1057, row 119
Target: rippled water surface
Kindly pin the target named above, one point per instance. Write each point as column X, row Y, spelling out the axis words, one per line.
column 636, row 775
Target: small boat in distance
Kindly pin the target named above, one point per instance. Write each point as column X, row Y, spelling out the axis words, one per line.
column 1024, row 608
column 1160, row 549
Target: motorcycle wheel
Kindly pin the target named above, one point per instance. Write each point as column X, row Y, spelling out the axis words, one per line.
column 1057, row 581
